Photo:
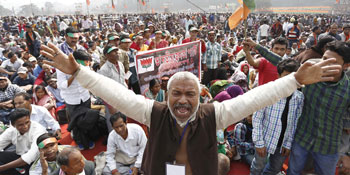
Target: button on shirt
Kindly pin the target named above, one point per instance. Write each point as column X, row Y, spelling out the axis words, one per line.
column 42, row 116
column 212, row 56
column 26, row 143
column 74, row 94
column 133, row 146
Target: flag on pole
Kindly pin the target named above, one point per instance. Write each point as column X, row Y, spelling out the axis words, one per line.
column 113, row 6
column 338, row 1
column 88, row 2
column 241, row 13
column 153, row 11
column 125, row 6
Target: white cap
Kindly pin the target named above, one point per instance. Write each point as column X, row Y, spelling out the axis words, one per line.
column 22, row 70
column 31, row 59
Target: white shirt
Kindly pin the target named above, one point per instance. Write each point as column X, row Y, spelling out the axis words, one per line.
column 73, row 94
column 264, row 30
column 187, row 23
column 250, row 22
column 26, row 143
column 18, row 63
column 86, row 24
column 228, row 112
column 63, row 26
column 41, row 115
column 285, row 27
column 133, row 146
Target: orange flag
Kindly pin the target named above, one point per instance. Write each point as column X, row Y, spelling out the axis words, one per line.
column 153, row 11
column 88, row 2
column 241, row 13
column 338, row 1
column 113, row 6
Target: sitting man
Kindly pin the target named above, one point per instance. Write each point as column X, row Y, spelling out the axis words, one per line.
column 125, row 147
column 48, row 148
column 52, row 87
column 7, row 92
column 23, row 135
column 37, row 113
column 24, row 79
column 71, row 161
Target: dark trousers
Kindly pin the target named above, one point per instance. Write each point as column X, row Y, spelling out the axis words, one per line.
column 208, row 76
column 7, row 157
column 135, row 87
column 72, row 108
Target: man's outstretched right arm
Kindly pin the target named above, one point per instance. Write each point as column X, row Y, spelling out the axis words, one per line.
column 124, row 100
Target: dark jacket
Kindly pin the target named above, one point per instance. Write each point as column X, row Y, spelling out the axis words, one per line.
column 87, row 125
column 164, row 139
column 89, row 169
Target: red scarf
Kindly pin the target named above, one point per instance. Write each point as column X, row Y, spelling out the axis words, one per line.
column 347, row 37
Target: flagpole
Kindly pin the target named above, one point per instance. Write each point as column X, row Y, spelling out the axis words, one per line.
column 245, row 23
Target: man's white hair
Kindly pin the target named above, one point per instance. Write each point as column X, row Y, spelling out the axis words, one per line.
column 184, row 76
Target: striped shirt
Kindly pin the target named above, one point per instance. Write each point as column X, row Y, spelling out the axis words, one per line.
column 244, row 144
column 212, row 56
column 267, row 123
column 321, row 122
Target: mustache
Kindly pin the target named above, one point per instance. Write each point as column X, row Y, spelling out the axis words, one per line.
column 188, row 106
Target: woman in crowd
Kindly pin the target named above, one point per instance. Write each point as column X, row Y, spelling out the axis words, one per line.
column 43, row 98
column 154, row 91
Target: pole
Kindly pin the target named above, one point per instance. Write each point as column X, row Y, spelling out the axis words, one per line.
column 88, row 12
column 245, row 23
column 245, row 28
column 31, row 7
column 195, row 5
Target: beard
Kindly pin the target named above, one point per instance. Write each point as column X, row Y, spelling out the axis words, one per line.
column 180, row 121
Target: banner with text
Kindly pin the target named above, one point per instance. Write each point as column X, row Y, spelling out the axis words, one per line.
column 167, row 61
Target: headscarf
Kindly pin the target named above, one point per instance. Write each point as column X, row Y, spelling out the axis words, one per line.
column 234, row 91
column 222, row 96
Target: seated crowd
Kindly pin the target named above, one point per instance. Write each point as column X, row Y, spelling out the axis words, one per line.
column 37, row 100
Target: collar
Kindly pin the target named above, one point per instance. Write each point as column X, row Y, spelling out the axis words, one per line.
column 66, row 44
column 63, row 173
column 183, row 124
column 340, row 82
column 130, row 136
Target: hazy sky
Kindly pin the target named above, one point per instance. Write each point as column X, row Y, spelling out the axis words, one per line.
column 18, row 3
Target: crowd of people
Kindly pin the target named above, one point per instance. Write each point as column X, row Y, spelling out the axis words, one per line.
column 265, row 97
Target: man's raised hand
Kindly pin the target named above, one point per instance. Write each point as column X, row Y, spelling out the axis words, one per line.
column 310, row 73
column 60, row 60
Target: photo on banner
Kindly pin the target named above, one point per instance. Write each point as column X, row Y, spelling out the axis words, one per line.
column 167, row 61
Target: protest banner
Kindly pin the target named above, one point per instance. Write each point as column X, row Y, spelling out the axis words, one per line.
column 167, row 61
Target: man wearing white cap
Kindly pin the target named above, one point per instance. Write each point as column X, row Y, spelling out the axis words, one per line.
column 24, row 80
